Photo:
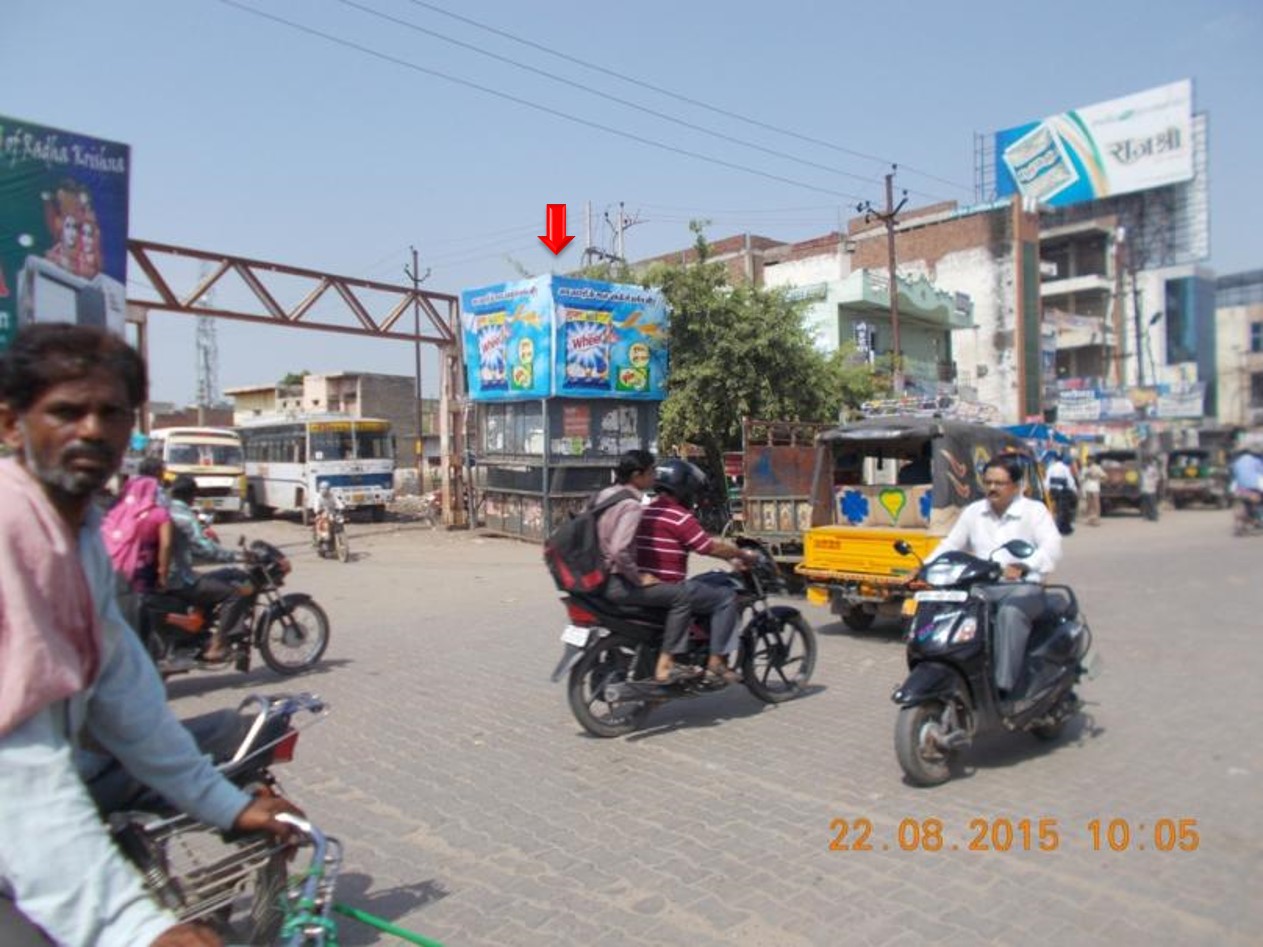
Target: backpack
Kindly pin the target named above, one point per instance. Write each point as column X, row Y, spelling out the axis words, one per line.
column 573, row 551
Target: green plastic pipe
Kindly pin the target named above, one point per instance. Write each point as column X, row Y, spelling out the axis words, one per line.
column 365, row 918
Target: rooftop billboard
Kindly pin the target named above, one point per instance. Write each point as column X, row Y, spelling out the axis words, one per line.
column 1135, row 143
column 63, row 228
column 554, row 336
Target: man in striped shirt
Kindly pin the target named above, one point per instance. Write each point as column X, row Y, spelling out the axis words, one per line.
column 668, row 532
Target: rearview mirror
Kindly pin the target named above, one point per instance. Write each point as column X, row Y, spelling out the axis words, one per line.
column 902, row 547
column 1019, row 548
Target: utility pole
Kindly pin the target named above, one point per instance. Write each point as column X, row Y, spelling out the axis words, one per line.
column 888, row 217
column 416, row 330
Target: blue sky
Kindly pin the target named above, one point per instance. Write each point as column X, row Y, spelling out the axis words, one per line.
column 256, row 138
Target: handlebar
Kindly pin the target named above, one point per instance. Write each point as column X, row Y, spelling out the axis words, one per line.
column 308, row 909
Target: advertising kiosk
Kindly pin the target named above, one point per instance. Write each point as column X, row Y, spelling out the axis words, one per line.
column 564, row 376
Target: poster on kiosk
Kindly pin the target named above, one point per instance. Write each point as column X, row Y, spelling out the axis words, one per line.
column 63, row 228
column 555, row 336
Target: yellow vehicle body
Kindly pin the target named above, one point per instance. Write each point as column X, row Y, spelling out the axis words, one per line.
column 885, row 480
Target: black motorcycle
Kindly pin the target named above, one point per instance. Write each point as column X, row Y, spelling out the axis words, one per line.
column 291, row 631
column 611, row 651
column 950, row 694
column 237, row 883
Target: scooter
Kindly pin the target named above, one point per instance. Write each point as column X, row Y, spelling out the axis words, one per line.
column 949, row 695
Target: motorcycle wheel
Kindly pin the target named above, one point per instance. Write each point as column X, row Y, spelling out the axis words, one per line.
column 296, row 641
column 610, row 662
column 781, row 658
column 923, row 762
column 342, row 547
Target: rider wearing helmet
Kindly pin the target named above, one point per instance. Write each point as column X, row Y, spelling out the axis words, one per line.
column 668, row 532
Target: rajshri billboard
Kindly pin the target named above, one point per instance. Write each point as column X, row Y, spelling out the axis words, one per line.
column 1124, row 145
column 554, row 336
column 63, row 228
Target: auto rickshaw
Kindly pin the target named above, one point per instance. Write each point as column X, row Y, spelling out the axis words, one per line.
column 885, row 479
column 1196, row 475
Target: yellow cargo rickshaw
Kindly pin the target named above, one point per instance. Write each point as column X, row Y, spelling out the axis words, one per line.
column 889, row 478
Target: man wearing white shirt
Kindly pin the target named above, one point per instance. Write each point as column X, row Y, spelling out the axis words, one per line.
column 986, row 525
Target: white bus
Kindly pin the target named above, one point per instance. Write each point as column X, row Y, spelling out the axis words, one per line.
column 287, row 459
column 212, row 456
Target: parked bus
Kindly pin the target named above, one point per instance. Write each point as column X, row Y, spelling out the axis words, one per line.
column 212, row 456
column 287, row 459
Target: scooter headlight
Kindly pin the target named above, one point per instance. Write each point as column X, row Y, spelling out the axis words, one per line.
column 941, row 574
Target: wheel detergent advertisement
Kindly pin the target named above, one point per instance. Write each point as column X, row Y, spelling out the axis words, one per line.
column 555, row 336
column 63, row 228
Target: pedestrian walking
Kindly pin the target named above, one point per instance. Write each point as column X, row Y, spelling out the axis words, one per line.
column 1091, row 479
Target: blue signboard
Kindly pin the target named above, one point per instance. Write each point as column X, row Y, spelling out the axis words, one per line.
column 558, row 336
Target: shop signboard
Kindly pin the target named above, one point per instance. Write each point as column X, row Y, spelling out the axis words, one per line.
column 555, row 336
column 63, row 228
column 1128, row 144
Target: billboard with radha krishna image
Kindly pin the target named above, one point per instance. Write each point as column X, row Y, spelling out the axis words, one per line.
column 555, row 336
column 1125, row 145
column 63, row 228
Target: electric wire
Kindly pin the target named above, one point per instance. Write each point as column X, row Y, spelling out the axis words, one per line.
column 626, row 103
column 685, row 98
column 654, row 143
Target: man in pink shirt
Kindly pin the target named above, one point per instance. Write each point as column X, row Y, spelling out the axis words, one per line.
column 668, row 532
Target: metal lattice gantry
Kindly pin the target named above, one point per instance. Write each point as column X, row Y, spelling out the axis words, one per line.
column 155, row 259
column 368, row 308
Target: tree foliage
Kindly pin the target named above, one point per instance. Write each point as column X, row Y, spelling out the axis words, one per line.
column 740, row 351
column 294, row 378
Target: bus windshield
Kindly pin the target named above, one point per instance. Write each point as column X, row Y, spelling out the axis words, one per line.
column 373, row 445
column 331, row 445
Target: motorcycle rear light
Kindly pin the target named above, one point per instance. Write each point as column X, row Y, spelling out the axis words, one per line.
column 283, row 752
column 580, row 615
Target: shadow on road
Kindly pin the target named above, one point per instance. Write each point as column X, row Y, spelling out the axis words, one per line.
column 389, row 905
column 883, row 631
column 258, row 679
column 1001, row 750
column 711, row 710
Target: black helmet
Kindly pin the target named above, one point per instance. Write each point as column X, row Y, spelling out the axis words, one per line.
column 183, row 488
column 682, row 480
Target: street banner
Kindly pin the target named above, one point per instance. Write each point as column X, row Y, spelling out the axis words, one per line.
column 63, row 228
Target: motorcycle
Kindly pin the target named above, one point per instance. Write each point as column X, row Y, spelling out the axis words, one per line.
column 1247, row 518
column 610, row 652
column 291, row 631
column 237, row 883
column 950, row 695
column 329, row 532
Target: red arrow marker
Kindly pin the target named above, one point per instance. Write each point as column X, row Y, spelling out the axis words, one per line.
column 556, row 238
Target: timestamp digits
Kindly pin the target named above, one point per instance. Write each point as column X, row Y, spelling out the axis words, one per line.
column 1003, row 834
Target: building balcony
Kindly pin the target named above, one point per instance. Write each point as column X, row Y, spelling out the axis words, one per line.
column 919, row 301
column 1073, row 285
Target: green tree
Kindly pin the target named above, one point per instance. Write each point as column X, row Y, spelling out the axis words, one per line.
column 294, row 378
column 739, row 351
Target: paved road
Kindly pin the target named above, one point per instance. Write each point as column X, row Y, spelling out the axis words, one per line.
column 475, row 811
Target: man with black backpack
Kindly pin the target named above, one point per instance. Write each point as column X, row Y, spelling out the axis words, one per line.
column 627, row 585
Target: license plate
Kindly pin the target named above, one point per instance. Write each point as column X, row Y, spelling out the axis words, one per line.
column 942, row 595
column 575, row 635
column 357, row 498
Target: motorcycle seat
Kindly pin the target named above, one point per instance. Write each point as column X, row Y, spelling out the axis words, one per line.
column 641, row 613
